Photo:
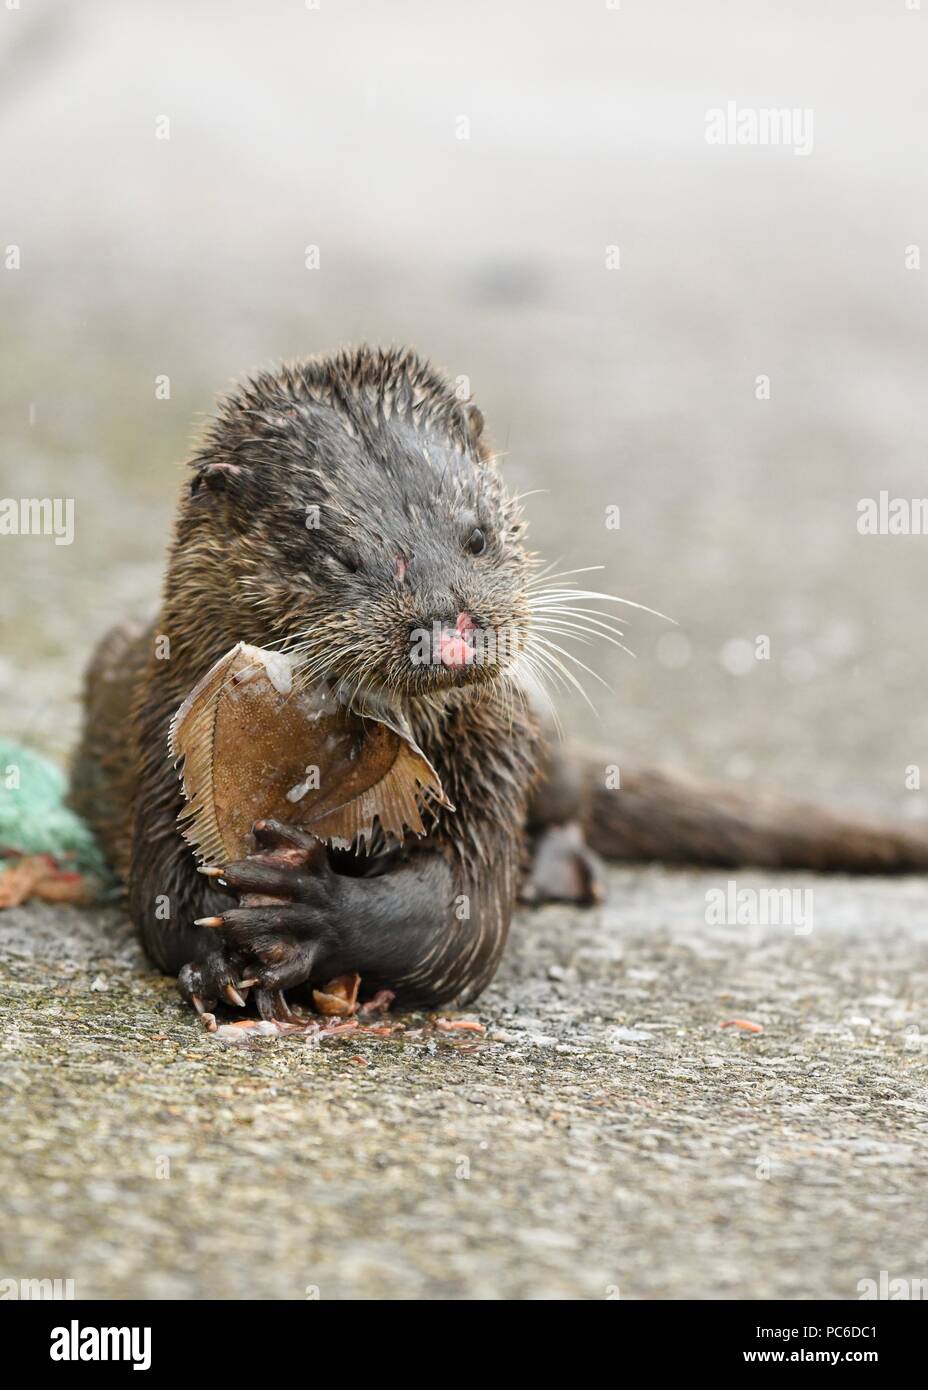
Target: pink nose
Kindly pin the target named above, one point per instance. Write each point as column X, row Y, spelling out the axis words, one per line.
column 453, row 647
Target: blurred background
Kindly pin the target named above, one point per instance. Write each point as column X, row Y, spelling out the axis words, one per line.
column 339, row 127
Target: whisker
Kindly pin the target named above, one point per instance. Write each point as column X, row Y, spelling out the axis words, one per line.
column 537, row 690
column 591, row 638
column 569, row 593
column 554, row 662
column 586, row 617
column 576, row 660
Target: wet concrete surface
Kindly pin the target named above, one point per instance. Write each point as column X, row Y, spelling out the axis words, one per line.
column 615, row 1136
column 607, row 1134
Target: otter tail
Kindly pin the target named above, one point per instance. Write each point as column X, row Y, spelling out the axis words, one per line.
column 653, row 815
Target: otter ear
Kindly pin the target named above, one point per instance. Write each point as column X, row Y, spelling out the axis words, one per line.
column 215, row 475
column 473, row 417
column 473, row 423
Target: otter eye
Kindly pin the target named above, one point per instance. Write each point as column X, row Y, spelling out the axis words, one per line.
column 476, row 542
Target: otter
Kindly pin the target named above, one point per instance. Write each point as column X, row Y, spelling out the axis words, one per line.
column 411, row 530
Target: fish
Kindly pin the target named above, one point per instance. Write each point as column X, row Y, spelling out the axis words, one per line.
column 252, row 742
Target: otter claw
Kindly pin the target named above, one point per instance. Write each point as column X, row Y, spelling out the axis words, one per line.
column 209, row 870
column 273, row 834
column 204, row 982
column 208, row 922
column 273, row 1007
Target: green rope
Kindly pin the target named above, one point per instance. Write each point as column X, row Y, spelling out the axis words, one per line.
column 33, row 816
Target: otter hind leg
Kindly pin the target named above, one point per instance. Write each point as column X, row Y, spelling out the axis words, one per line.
column 562, row 867
column 103, row 774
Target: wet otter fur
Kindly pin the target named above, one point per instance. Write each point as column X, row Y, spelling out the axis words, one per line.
column 335, row 507
column 402, row 480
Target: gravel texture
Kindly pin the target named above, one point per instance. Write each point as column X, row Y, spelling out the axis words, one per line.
column 614, row 1134
column 608, row 1135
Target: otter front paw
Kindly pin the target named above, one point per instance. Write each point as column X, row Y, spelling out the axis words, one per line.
column 204, row 982
column 291, row 908
column 280, row 947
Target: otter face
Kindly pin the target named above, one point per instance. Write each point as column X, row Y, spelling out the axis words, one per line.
column 374, row 539
column 414, row 569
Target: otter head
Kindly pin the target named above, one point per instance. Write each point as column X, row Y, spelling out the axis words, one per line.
column 357, row 517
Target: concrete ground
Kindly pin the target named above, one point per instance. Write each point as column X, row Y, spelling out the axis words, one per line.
column 615, row 1135
column 608, row 1135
